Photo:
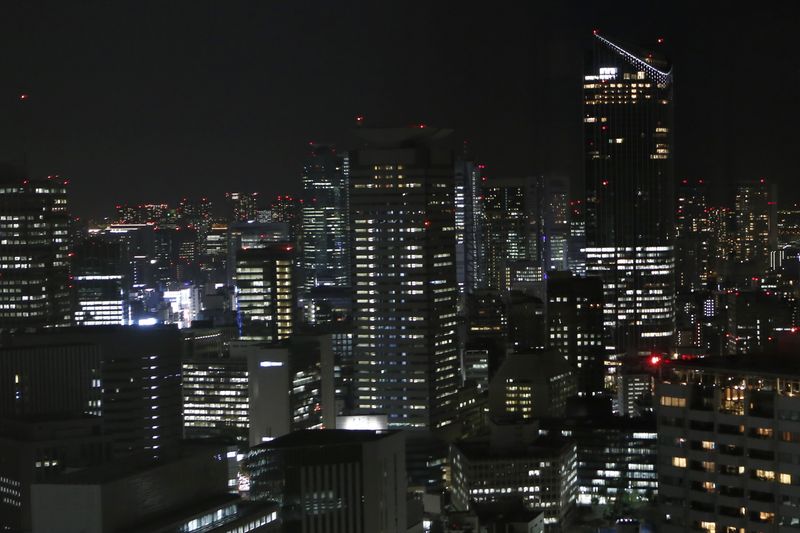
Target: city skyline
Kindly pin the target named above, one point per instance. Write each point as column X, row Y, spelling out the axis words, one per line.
column 488, row 298
column 194, row 99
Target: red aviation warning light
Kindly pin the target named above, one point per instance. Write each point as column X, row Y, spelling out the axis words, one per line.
column 654, row 360
column 24, row 96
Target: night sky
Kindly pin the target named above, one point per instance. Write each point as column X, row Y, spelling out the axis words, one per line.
column 150, row 101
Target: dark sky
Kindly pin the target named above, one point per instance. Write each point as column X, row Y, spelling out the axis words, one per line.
column 153, row 100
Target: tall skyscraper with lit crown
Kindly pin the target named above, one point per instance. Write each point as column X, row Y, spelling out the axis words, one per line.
column 629, row 194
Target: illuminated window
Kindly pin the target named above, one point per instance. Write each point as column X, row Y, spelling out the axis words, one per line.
column 786, row 479
column 671, row 401
column 680, row 462
column 766, row 475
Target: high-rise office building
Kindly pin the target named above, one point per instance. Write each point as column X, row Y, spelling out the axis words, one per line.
column 34, row 241
column 576, row 258
column 555, row 233
column 266, row 291
column 788, row 224
column 240, row 206
column 135, row 388
column 137, row 251
column 530, row 386
column 214, row 386
column 333, row 481
column 629, row 194
column 470, row 256
column 98, row 294
column 404, row 275
column 540, row 471
column 325, row 239
column 510, row 228
column 143, row 213
column 616, row 456
column 693, row 255
column 728, row 444
column 289, row 210
column 756, row 223
column 575, row 326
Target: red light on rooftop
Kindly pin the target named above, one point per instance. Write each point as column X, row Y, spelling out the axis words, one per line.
column 288, row 247
column 654, row 360
column 605, row 183
column 24, row 96
column 595, row 32
column 427, row 223
column 421, row 126
column 762, row 180
column 660, row 40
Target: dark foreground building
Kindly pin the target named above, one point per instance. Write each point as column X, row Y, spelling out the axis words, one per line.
column 333, row 481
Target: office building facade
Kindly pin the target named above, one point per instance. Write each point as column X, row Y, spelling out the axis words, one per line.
column 34, row 271
column 325, row 239
column 629, row 194
column 404, row 275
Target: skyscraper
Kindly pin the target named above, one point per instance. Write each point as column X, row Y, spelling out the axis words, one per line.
column 34, row 242
column 265, row 288
column 240, row 206
column 756, row 223
column 555, row 224
column 629, row 198
column 575, row 326
column 326, row 251
column 470, row 256
column 404, row 275
column 693, row 236
column 509, row 209
column 98, row 295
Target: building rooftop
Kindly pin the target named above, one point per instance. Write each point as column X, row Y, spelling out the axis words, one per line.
column 480, row 448
column 325, row 437
column 777, row 364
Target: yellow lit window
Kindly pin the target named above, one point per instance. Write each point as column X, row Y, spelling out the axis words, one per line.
column 671, row 401
column 680, row 462
column 786, row 479
column 767, row 475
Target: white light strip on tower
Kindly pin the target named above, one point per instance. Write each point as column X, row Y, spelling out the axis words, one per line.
column 636, row 61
